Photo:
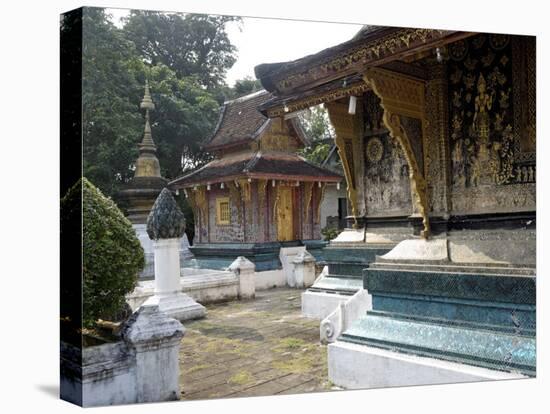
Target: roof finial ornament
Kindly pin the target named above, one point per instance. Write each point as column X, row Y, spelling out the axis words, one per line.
column 147, row 144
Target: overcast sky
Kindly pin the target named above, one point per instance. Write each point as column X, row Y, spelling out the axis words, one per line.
column 274, row 40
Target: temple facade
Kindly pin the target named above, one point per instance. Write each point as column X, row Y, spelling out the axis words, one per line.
column 257, row 198
column 436, row 133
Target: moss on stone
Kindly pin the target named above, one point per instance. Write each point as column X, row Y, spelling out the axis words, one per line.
column 199, row 367
column 242, row 377
column 292, row 344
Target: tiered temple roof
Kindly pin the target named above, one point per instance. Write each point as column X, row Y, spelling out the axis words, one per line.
column 239, row 126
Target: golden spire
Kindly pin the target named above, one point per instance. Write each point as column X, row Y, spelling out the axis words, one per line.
column 147, row 165
column 147, row 144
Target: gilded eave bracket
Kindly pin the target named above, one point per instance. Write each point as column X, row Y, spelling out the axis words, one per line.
column 348, row 140
column 401, row 95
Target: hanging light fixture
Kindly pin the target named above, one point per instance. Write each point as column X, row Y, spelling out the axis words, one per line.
column 208, row 187
column 352, row 105
column 438, row 54
column 338, row 186
column 222, row 186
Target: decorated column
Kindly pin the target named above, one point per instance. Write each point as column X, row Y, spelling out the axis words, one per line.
column 165, row 227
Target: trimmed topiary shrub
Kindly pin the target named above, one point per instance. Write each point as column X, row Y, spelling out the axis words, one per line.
column 112, row 254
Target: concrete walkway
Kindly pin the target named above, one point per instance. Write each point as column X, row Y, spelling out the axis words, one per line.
column 252, row 348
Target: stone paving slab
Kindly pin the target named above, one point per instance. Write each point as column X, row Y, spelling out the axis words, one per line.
column 253, row 348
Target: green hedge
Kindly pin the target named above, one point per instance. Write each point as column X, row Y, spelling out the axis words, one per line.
column 112, row 254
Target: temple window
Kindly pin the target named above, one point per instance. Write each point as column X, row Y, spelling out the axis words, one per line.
column 223, row 212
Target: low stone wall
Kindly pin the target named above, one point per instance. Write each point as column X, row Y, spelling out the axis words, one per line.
column 107, row 375
column 203, row 285
column 141, row 367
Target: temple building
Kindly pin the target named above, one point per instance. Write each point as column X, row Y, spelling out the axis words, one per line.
column 140, row 193
column 257, row 198
column 436, row 133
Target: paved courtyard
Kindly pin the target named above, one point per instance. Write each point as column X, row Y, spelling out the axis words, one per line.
column 251, row 348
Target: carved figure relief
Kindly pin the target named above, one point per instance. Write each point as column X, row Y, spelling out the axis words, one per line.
column 486, row 122
column 375, row 149
column 387, row 177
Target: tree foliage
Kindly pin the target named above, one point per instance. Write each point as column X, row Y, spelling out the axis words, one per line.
column 185, row 71
column 190, row 45
column 112, row 255
column 245, row 86
column 317, row 127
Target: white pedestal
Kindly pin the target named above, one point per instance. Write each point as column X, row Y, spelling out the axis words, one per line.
column 168, row 294
column 148, row 271
column 304, row 269
column 286, row 256
column 244, row 269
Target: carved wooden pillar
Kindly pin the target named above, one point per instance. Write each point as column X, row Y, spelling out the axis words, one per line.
column 402, row 99
column 349, row 140
column 437, row 157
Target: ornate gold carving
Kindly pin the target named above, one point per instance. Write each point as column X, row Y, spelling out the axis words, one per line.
column 375, row 149
column 277, row 192
column 235, row 196
column 349, row 134
column 398, row 91
column 436, row 150
column 308, row 192
column 483, row 105
column 246, row 196
column 298, row 105
column 501, row 163
column 499, row 41
column 262, row 190
column 278, row 138
column 244, row 185
column 458, row 50
column 201, row 201
column 524, row 98
column 401, row 95
column 366, row 53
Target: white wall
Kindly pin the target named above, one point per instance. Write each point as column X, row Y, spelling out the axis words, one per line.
column 329, row 206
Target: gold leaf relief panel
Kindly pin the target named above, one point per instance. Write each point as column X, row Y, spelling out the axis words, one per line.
column 489, row 128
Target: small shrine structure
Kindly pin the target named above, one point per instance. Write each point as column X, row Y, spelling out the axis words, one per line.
column 258, row 198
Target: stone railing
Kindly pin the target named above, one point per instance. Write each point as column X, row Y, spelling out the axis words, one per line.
column 344, row 315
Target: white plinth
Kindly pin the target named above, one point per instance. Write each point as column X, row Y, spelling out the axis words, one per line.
column 178, row 305
column 286, row 256
column 353, row 366
column 171, row 300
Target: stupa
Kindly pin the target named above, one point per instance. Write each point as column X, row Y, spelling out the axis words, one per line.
column 140, row 193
